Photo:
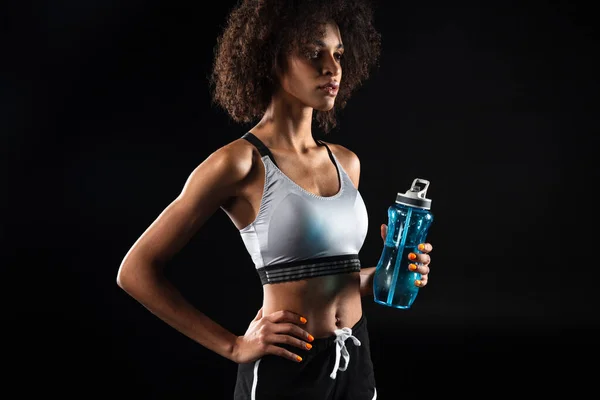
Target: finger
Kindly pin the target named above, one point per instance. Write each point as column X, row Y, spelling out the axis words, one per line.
column 280, row 351
column 291, row 329
column 292, row 341
column 419, row 258
column 425, row 247
column 286, row 316
column 383, row 229
column 422, row 282
column 258, row 314
column 422, row 269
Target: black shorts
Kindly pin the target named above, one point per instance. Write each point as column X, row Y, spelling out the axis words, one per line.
column 316, row 376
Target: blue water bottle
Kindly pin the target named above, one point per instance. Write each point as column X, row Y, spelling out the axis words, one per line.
column 409, row 220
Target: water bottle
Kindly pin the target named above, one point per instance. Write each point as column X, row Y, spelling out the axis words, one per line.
column 409, row 220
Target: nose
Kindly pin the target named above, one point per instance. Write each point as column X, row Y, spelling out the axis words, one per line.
column 331, row 66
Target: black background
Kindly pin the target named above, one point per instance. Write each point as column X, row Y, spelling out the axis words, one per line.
column 106, row 110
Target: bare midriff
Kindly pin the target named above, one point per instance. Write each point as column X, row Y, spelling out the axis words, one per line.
column 328, row 302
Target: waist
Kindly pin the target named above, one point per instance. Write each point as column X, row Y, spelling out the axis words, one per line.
column 327, row 302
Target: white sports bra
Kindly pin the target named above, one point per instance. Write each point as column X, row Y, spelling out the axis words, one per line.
column 297, row 234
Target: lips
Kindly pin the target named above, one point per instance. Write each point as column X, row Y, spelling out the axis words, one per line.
column 331, row 88
column 330, row 85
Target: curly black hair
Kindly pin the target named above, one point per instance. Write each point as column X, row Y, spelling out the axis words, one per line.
column 257, row 36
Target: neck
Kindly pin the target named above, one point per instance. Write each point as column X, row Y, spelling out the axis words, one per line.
column 287, row 124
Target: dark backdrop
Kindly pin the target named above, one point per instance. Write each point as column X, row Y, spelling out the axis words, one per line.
column 106, row 111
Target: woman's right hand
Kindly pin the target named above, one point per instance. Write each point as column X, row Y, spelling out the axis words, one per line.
column 266, row 332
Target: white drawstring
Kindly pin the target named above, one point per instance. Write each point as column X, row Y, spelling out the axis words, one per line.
column 340, row 349
column 255, row 380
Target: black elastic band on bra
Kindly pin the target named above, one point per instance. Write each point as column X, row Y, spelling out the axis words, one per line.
column 303, row 269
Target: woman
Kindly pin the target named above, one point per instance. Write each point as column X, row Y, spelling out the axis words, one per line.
column 294, row 200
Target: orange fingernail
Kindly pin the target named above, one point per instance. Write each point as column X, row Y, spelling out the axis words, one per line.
column 421, row 247
column 417, row 283
column 308, row 346
column 303, row 320
column 412, row 256
column 298, row 358
column 412, row 267
column 310, row 338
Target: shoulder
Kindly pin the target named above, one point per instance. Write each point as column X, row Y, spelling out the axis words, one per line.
column 228, row 165
column 236, row 157
column 348, row 159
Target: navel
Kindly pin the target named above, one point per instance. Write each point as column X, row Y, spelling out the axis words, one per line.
column 337, row 321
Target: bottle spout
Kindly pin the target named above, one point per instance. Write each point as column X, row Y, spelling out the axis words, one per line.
column 419, row 187
column 416, row 195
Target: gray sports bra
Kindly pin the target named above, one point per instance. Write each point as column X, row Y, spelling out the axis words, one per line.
column 297, row 234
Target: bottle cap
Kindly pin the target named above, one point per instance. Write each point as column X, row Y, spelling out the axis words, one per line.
column 415, row 196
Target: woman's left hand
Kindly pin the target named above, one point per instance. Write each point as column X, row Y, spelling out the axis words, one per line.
column 420, row 261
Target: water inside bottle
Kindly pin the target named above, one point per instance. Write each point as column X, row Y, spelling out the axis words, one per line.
column 383, row 277
column 405, row 291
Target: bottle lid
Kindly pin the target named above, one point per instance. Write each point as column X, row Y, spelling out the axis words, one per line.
column 415, row 196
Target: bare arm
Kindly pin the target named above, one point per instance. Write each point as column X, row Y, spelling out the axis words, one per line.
column 213, row 182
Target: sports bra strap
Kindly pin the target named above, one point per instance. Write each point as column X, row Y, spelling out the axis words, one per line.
column 320, row 143
column 262, row 149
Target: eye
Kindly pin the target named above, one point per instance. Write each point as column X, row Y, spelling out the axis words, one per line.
column 312, row 54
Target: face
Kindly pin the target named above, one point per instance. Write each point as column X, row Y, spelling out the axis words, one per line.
column 313, row 73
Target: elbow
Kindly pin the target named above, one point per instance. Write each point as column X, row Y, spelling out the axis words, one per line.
column 126, row 276
column 129, row 282
column 123, row 277
column 134, row 275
